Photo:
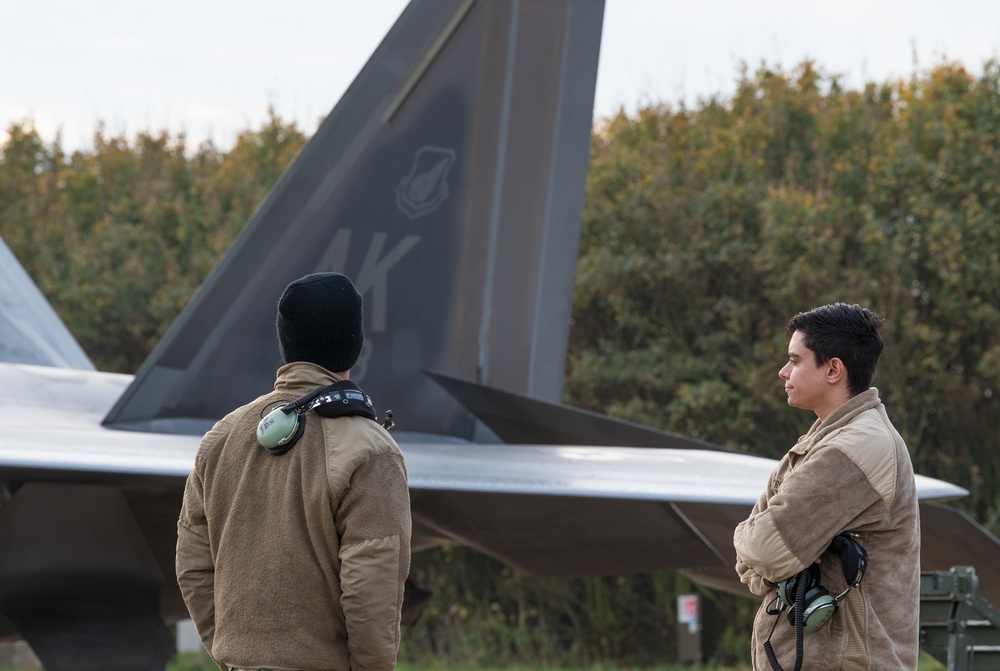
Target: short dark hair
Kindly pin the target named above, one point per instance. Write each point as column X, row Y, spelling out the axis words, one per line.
column 847, row 332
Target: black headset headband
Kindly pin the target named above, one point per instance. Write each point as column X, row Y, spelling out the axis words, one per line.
column 340, row 399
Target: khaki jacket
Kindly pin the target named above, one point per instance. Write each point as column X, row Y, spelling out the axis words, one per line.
column 849, row 473
column 296, row 561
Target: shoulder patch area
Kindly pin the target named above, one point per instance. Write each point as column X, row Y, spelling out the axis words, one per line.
column 869, row 443
column 351, row 441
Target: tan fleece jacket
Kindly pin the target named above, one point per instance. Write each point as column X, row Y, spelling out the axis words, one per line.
column 851, row 472
column 296, row 561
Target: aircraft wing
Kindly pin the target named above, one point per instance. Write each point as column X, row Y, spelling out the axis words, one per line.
column 551, row 510
column 570, row 511
column 692, row 493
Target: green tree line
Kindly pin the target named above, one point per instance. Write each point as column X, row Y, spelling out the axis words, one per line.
column 705, row 229
column 120, row 236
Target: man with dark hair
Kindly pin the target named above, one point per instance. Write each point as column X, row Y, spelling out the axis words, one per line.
column 294, row 535
column 849, row 474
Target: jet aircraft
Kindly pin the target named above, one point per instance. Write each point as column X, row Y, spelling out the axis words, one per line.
column 449, row 183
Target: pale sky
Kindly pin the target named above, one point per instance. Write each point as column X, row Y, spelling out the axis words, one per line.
column 211, row 68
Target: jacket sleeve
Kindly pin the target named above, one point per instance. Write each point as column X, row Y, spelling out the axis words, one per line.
column 748, row 576
column 194, row 565
column 373, row 521
column 826, row 493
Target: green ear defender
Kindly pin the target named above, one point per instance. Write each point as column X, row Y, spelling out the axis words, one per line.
column 820, row 609
column 283, row 426
column 280, row 428
column 818, row 605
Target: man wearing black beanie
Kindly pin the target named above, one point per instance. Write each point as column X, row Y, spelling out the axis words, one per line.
column 319, row 320
column 294, row 557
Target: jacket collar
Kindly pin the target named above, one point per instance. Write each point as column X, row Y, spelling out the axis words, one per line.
column 301, row 377
column 839, row 418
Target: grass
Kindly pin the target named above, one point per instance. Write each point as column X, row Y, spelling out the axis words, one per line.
column 196, row 662
column 193, row 661
column 199, row 661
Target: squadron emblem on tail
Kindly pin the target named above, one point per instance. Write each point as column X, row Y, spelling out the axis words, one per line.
column 426, row 187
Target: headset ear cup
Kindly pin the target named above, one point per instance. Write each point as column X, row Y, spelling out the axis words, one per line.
column 820, row 607
column 853, row 557
column 289, row 443
column 279, row 430
column 817, row 608
column 788, row 588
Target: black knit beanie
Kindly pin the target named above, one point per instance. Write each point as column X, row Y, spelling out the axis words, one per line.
column 319, row 321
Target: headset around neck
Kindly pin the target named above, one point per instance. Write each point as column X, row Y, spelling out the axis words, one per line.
column 282, row 427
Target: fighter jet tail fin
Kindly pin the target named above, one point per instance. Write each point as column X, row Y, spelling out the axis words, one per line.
column 448, row 184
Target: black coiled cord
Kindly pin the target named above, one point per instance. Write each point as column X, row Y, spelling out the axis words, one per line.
column 801, row 586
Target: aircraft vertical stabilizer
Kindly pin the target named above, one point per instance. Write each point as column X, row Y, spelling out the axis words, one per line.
column 30, row 330
column 448, row 184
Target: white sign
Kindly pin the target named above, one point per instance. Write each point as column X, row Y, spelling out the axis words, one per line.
column 687, row 611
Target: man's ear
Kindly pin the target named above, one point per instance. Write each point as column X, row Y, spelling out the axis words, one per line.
column 836, row 371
